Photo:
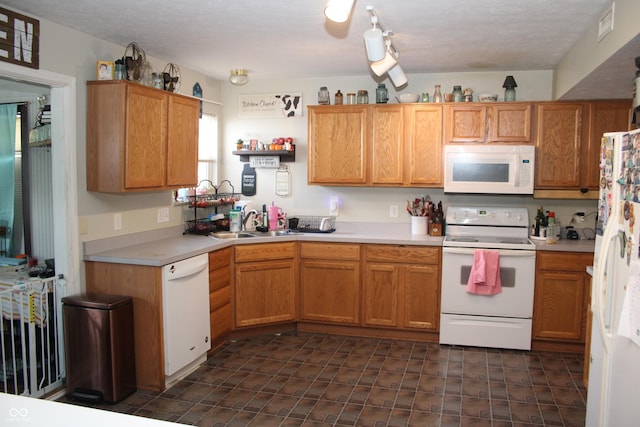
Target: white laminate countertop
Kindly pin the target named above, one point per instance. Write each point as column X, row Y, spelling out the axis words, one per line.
column 170, row 247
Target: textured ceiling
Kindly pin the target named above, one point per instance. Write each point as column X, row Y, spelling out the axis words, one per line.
column 292, row 39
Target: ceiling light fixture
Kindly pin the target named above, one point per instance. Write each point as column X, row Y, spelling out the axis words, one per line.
column 239, row 76
column 338, row 10
column 374, row 41
column 397, row 76
column 385, row 64
column 387, row 58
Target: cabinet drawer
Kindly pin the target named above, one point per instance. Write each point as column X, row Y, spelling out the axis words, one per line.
column 221, row 258
column 265, row 251
column 564, row 261
column 404, row 254
column 219, row 278
column 219, row 298
column 220, row 320
column 331, row 251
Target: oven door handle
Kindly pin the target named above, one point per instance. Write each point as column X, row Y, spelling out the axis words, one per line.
column 503, row 252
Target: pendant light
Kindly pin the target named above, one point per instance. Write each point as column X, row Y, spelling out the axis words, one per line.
column 239, row 76
column 338, row 10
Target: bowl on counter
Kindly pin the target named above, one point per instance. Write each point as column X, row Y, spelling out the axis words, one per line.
column 407, row 98
column 487, row 97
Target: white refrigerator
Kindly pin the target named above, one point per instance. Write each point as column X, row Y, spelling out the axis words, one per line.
column 613, row 397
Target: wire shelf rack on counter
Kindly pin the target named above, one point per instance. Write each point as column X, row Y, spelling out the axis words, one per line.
column 313, row 224
column 207, row 205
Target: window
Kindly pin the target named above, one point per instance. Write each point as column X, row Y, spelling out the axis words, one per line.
column 207, row 154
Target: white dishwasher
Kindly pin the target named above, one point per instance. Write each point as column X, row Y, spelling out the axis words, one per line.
column 185, row 307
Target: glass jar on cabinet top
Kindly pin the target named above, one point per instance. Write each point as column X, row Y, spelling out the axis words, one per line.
column 382, row 95
column 363, row 97
column 323, row 96
column 457, row 94
column 437, row 94
column 338, row 98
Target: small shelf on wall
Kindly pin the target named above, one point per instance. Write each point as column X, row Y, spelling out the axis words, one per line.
column 285, row 155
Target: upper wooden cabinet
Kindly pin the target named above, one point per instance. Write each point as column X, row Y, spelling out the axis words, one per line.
column 338, row 145
column 487, row 123
column 377, row 145
column 568, row 138
column 604, row 116
column 558, row 144
column 140, row 138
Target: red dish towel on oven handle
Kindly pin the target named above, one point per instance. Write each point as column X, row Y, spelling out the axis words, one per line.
column 484, row 278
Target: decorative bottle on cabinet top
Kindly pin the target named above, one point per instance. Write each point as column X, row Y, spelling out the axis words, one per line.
column 437, row 95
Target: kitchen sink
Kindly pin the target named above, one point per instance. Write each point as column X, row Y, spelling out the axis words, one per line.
column 231, row 235
column 273, row 233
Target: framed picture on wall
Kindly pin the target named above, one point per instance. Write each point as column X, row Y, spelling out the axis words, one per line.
column 104, row 70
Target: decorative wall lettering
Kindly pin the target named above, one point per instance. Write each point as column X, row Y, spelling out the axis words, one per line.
column 19, row 39
column 271, row 105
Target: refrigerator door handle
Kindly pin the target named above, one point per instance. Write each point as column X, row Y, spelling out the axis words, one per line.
column 604, row 297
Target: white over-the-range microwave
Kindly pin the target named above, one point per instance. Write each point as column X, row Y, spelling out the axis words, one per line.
column 489, row 169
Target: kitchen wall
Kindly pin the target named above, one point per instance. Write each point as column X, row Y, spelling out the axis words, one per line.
column 370, row 204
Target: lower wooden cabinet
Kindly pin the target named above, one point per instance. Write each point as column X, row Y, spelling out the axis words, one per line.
column 402, row 286
column 265, row 284
column 561, row 296
column 330, row 282
column 219, row 294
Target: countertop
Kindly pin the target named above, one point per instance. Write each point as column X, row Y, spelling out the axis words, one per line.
column 168, row 246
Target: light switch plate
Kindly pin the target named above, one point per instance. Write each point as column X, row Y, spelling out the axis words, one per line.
column 163, row 215
column 117, row 221
column 393, row 211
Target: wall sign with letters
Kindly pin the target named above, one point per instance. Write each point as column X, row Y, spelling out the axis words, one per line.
column 19, row 39
column 271, row 105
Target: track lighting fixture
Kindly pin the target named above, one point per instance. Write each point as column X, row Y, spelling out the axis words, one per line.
column 239, row 76
column 385, row 64
column 397, row 76
column 338, row 10
column 374, row 41
column 381, row 52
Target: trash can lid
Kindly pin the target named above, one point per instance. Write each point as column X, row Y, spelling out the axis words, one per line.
column 98, row 301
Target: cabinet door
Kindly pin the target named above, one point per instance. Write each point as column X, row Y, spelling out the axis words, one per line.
column 558, row 145
column 424, row 146
column 219, row 293
column 465, row 123
column 610, row 116
column 387, row 159
column 559, row 306
column 265, row 292
column 338, row 145
column 381, row 294
column 330, row 291
column 421, row 297
column 510, row 123
column 182, row 142
column 145, row 138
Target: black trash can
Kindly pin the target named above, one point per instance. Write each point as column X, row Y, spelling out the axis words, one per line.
column 99, row 347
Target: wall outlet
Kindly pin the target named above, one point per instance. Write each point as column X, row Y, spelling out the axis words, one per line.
column 334, row 202
column 117, row 221
column 393, row 211
column 163, row 215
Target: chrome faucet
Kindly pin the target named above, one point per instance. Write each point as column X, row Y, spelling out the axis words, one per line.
column 245, row 217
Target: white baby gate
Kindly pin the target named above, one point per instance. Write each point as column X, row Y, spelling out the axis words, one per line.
column 31, row 343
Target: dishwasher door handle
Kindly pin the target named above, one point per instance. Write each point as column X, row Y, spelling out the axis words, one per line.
column 187, row 271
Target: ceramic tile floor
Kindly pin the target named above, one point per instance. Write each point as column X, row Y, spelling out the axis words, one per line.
column 302, row 379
